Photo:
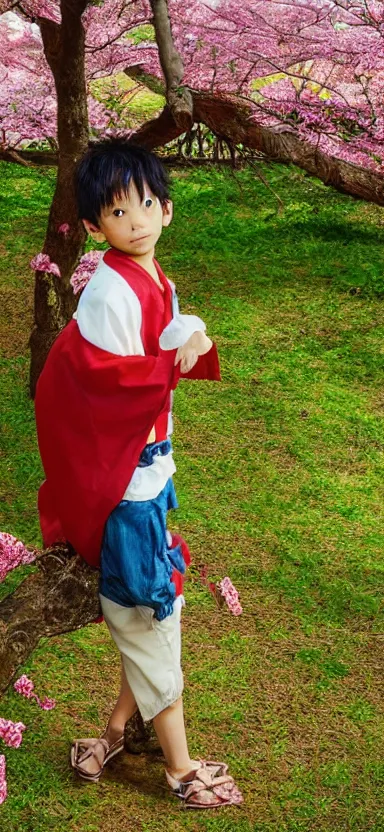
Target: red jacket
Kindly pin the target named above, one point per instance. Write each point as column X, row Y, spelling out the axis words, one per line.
column 94, row 412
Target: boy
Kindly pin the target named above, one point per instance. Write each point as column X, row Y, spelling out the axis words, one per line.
column 103, row 412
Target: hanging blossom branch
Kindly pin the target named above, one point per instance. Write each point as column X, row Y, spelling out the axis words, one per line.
column 223, row 592
column 25, row 687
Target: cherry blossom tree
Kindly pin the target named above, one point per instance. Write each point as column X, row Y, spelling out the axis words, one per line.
column 299, row 80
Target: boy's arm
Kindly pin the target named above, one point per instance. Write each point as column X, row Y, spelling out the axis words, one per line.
column 196, row 354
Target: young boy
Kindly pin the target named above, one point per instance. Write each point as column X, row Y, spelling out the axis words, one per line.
column 103, row 412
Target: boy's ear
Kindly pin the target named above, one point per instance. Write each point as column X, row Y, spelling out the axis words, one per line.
column 167, row 212
column 94, row 231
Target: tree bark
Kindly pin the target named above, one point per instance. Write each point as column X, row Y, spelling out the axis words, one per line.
column 178, row 97
column 61, row 596
column 54, row 299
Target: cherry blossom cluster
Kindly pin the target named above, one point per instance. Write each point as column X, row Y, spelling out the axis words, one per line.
column 223, row 591
column 12, row 553
column 86, row 268
column 25, row 687
column 231, row 596
column 11, row 732
column 275, row 54
column 42, row 263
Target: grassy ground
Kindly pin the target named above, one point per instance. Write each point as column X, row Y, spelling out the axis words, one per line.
column 280, row 486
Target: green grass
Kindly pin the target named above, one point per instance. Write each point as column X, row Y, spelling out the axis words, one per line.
column 280, row 486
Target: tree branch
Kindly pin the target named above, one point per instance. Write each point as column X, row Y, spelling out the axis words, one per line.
column 233, row 121
column 61, row 596
column 178, row 97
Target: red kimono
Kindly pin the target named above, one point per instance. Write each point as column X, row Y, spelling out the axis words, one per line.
column 94, row 412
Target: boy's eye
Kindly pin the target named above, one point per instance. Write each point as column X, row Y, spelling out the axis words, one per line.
column 148, row 202
column 118, row 212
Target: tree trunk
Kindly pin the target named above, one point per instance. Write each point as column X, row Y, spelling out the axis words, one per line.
column 54, row 299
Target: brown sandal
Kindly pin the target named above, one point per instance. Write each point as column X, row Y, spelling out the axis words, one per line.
column 206, row 788
column 98, row 749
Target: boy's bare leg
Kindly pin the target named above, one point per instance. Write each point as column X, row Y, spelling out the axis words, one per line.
column 170, row 730
column 125, row 708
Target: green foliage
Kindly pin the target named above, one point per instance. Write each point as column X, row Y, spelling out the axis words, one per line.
column 142, row 34
column 129, row 103
column 280, row 486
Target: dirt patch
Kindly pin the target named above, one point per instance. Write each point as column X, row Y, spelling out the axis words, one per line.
column 16, row 317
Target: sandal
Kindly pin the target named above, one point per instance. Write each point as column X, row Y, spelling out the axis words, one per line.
column 99, row 750
column 208, row 787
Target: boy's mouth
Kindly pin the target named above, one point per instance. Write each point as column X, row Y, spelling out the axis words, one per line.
column 137, row 239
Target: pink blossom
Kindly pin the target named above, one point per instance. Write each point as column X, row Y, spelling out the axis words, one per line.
column 64, row 228
column 42, row 263
column 47, row 704
column 231, row 596
column 3, row 780
column 12, row 554
column 86, row 268
column 25, row 687
column 11, row 732
column 304, row 53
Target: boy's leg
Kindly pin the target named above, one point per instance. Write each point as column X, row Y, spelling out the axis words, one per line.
column 91, row 763
column 200, row 784
column 124, row 708
column 170, row 730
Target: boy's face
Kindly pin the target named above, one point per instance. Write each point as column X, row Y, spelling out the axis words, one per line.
column 132, row 225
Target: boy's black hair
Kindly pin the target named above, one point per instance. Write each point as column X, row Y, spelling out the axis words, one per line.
column 106, row 170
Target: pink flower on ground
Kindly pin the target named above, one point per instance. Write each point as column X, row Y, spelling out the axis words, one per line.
column 86, row 268
column 3, row 780
column 47, row 704
column 12, row 553
column 42, row 263
column 25, row 687
column 64, row 228
column 231, row 596
column 11, row 732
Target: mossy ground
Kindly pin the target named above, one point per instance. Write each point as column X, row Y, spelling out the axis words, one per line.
column 280, row 484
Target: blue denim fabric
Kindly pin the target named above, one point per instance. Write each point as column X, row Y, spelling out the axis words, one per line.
column 155, row 449
column 136, row 562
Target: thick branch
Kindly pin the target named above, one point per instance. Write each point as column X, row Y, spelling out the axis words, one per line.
column 30, row 158
column 61, row 596
column 178, row 97
column 233, row 121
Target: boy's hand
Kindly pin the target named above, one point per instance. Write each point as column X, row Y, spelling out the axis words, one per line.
column 198, row 344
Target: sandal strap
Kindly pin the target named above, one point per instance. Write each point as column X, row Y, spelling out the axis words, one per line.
column 84, row 752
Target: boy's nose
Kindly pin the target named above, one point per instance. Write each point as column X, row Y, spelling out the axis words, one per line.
column 137, row 218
